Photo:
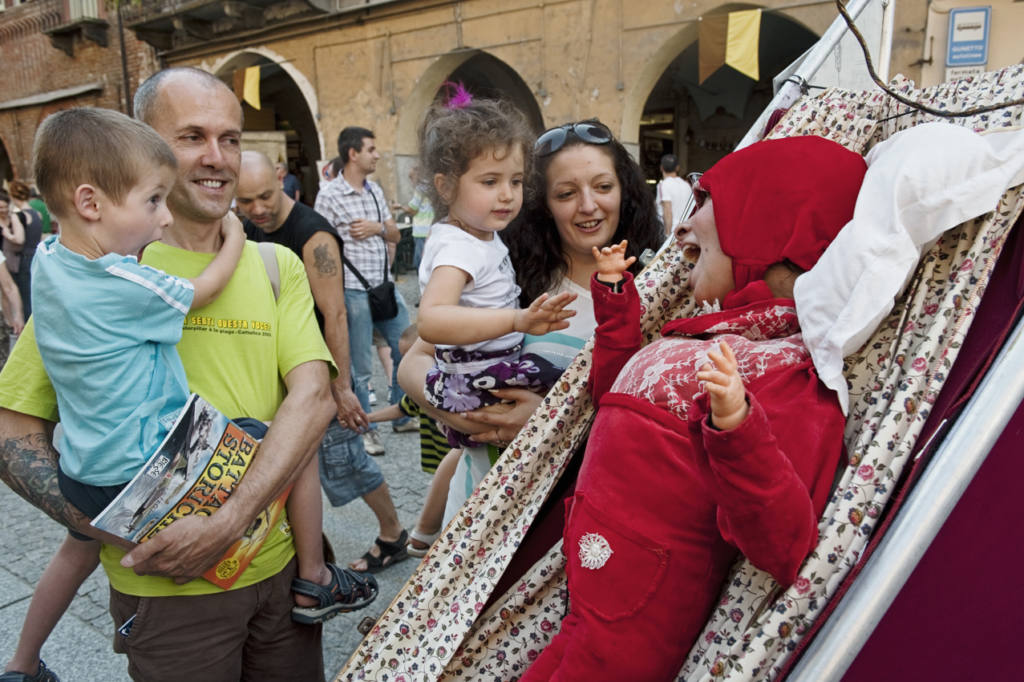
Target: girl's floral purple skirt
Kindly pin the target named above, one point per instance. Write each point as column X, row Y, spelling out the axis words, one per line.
column 461, row 380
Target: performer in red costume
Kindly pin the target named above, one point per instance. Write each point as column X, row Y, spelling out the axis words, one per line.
column 715, row 439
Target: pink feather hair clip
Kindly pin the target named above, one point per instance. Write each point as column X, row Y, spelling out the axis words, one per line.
column 458, row 96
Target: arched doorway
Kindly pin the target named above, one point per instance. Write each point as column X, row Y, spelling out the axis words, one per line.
column 6, row 169
column 483, row 75
column 283, row 127
column 702, row 122
column 486, row 76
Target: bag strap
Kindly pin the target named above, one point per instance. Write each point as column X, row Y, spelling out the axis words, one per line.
column 380, row 219
column 269, row 256
column 359, row 276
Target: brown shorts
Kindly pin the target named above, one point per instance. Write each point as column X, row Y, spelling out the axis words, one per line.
column 243, row 634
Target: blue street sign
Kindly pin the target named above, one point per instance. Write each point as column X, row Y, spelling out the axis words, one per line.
column 968, row 36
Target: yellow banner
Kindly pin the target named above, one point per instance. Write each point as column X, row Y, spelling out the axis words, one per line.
column 238, row 83
column 251, row 91
column 741, row 42
column 711, row 34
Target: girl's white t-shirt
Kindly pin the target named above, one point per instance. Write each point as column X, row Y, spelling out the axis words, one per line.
column 559, row 348
column 492, row 280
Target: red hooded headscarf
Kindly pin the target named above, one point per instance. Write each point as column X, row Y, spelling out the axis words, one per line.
column 782, row 199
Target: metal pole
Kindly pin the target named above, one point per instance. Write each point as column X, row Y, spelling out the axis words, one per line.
column 927, row 508
column 790, row 91
column 124, row 63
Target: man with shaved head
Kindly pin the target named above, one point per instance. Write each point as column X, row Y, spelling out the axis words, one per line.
column 249, row 353
column 346, row 471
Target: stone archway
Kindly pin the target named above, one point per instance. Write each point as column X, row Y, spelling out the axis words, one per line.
column 488, row 76
column 288, row 114
column 668, row 111
column 483, row 74
column 410, row 114
column 6, row 169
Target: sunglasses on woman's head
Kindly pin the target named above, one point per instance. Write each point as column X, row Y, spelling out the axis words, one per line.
column 554, row 139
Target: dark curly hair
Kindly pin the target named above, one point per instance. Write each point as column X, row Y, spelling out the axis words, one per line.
column 533, row 241
column 452, row 137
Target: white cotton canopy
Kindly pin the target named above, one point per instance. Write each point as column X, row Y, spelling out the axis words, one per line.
column 919, row 183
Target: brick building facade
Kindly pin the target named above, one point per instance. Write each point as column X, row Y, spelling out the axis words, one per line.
column 325, row 64
column 60, row 53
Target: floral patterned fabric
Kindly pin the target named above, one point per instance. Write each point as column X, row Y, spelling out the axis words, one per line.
column 436, row 627
column 666, row 377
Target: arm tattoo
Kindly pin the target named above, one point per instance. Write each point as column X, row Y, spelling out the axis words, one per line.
column 325, row 265
column 28, row 465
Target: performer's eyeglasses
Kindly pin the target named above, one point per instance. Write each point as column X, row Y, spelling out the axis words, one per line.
column 700, row 195
column 554, row 139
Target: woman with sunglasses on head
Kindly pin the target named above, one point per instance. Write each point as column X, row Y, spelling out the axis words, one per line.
column 739, row 440
column 583, row 190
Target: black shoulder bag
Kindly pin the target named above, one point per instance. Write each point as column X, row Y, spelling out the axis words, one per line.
column 383, row 305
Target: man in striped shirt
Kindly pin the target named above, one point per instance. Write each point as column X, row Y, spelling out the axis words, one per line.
column 357, row 209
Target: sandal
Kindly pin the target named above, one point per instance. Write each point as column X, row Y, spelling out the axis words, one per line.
column 348, row 591
column 426, row 539
column 390, row 554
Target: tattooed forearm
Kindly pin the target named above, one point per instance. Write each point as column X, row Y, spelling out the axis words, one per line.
column 28, row 465
column 326, row 266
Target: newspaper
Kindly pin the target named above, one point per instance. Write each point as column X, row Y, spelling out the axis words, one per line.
column 195, row 469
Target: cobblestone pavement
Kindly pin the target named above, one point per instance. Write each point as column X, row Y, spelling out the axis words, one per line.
column 80, row 648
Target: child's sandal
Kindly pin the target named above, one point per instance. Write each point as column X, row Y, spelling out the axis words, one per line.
column 424, row 539
column 390, row 554
column 348, row 590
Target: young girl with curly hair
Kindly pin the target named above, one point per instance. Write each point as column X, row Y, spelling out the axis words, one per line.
column 476, row 155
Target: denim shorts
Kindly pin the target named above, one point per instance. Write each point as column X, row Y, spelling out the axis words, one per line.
column 346, row 471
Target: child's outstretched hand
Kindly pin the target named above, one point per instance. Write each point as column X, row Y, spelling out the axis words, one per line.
column 545, row 314
column 612, row 261
column 723, row 383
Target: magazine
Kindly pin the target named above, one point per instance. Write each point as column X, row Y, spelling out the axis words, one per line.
column 195, row 469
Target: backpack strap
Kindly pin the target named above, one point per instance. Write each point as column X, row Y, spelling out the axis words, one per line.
column 269, row 256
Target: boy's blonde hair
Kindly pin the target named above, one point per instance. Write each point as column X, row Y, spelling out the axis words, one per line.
column 99, row 147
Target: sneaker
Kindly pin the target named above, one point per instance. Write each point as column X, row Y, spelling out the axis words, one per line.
column 405, row 425
column 44, row 675
column 373, row 397
column 371, row 441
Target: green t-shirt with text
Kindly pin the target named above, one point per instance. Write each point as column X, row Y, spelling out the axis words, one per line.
column 236, row 352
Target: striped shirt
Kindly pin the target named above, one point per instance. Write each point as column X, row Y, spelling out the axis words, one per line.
column 341, row 204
